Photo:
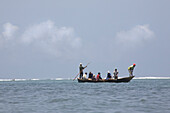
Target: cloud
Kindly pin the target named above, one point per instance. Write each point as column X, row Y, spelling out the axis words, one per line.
column 44, row 37
column 9, row 31
column 8, row 35
column 136, row 36
column 127, row 42
column 49, row 38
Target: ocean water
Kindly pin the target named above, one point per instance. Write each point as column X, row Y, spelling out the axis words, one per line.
column 68, row 96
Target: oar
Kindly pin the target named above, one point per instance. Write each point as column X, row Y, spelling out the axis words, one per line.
column 80, row 72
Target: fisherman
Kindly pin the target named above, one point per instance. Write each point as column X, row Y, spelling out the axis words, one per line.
column 93, row 78
column 90, row 75
column 130, row 69
column 98, row 76
column 115, row 74
column 84, row 76
column 81, row 70
column 108, row 75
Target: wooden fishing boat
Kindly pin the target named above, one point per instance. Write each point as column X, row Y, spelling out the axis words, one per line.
column 119, row 80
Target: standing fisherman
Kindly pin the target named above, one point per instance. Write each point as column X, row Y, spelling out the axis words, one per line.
column 115, row 74
column 130, row 69
column 81, row 70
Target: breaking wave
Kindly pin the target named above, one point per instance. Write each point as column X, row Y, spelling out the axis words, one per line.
column 34, row 79
column 151, row 77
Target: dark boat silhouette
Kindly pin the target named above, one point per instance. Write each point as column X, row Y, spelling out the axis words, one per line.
column 111, row 80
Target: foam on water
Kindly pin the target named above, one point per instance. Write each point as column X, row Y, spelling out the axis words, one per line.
column 60, row 79
column 17, row 79
column 152, row 78
column 6, row 79
column 35, row 79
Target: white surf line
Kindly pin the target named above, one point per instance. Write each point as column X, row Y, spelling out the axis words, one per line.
column 151, row 77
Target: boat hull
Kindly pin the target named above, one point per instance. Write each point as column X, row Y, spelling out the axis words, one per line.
column 125, row 79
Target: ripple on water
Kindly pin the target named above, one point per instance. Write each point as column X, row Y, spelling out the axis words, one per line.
column 138, row 96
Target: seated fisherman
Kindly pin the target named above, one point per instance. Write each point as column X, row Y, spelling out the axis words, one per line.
column 90, row 75
column 93, row 78
column 98, row 76
column 84, row 76
column 115, row 74
column 108, row 75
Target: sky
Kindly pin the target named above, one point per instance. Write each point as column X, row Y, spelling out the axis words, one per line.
column 50, row 38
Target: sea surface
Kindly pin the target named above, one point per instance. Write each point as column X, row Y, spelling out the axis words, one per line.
column 68, row 96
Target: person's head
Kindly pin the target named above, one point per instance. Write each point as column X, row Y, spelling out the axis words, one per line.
column 134, row 65
column 94, row 75
column 115, row 69
column 90, row 72
column 108, row 71
column 86, row 73
column 99, row 73
column 80, row 64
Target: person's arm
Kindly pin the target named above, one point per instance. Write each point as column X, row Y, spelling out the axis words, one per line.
column 84, row 67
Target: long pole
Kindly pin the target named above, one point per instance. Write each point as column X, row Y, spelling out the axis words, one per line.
column 80, row 71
